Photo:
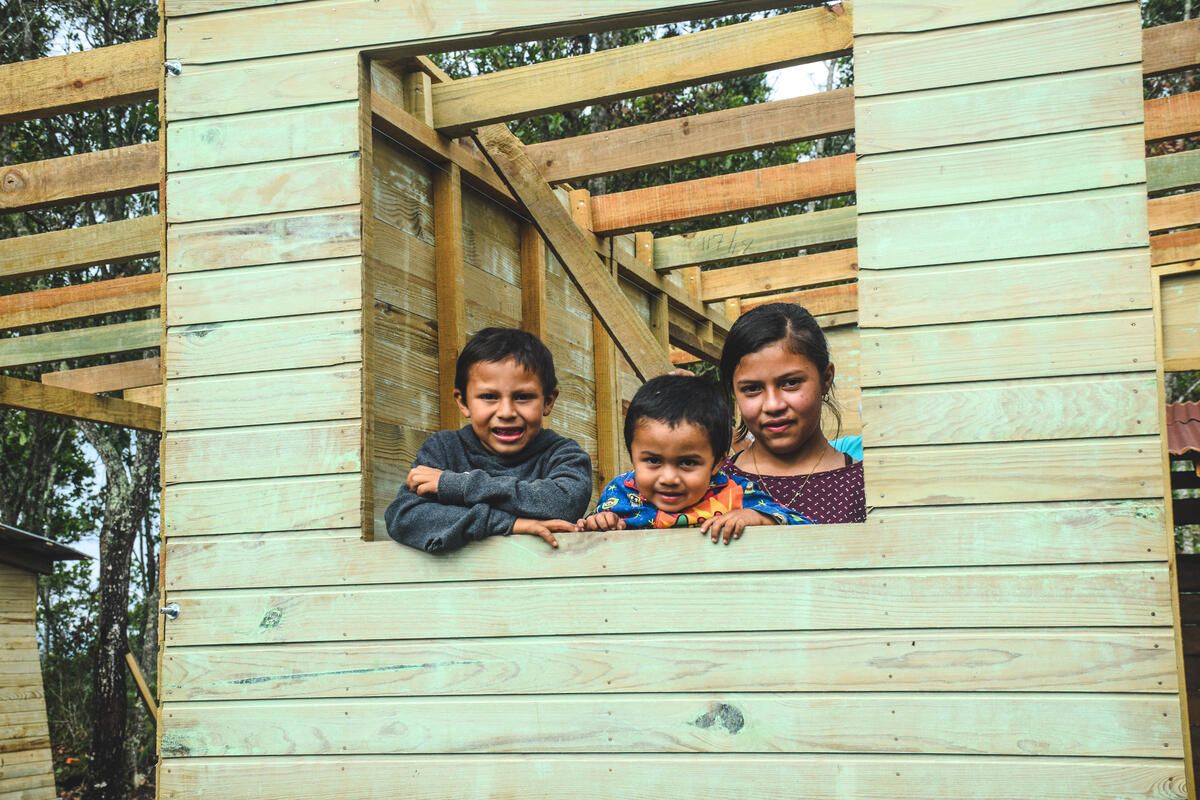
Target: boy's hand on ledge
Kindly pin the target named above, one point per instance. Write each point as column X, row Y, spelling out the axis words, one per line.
column 423, row 481
column 543, row 528
column 730, row 526
column 603, row 521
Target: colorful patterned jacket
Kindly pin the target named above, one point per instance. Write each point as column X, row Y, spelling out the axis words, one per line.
column 725, row 493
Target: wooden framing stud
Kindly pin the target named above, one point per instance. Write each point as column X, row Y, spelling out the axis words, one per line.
column 660, row 303
column 533, row 281
column 451, row 294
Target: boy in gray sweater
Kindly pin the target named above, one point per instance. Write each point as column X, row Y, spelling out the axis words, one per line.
column 503, row 472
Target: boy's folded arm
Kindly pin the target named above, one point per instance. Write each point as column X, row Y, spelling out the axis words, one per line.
column 563, row 493
column 436, row 527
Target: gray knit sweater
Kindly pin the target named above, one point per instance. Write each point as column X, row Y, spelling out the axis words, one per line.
column 482, row 494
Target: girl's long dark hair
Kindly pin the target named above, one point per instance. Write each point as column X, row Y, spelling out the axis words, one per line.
column 777, row 322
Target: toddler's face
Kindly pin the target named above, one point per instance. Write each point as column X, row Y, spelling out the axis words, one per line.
column 505, row 405
column 672, row 466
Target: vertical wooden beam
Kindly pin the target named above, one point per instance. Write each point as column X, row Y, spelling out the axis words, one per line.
column 418, row 96
column 733, row 308
column 691, row 281
column 533, row 281
column 451, row 301
column 660, row 308
column 604, row 354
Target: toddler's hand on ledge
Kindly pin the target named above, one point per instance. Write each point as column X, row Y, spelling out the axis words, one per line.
column 730, row 526
column 423, row 481
column 543, row 528
column 603, row 521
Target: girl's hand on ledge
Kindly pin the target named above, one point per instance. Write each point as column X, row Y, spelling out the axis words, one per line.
column 730, row 526
column 543, row 528
column 603, row 521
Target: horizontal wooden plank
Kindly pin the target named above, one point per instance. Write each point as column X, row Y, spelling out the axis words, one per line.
column 1181, row 317
column 135, row 293
column 1045, row 347
column 742, row 191
column 268, row 451
column 276, row 187
column 711, row 134
column 1003, row 411
column 77, row 248
column 1023, row 724
column 107, row 377
column 283, row 504
column 822, row 300
column 1017, row 228
column 1096, row 98
column 86, row 176
column 269, row 291
column 146, row 395
column 980, row 536
column 42, row 348
column 1172, row 117
column 1167, row 48
column 1173, row 211
column 912, row 16
column 105, row 76
column 269, row 239
column 264, row 398
column 755, row 238
column 1179, row 247
column 999, row 50
column 969, row 173
column 1173, row 171
column 640, row 69
column 220, row 348
column 998, row 597
column 643, row 776
column 33, row 396
column 1042, row 286
column 785, row 273
column 1015, row 472
column 262, row 136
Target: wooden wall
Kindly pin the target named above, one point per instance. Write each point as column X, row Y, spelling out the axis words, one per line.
column 26, row 770
column 1008, row 342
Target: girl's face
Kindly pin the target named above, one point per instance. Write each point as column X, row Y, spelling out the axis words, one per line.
column 779, row 394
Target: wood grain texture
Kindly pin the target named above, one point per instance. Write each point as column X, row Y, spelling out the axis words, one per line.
column 1024, row 724
column 77, row 248
column 785, row 273
column 1172, row 117
column 976, row 536
column 999, row 50
column 86, row 176
column 262, row 136
column 1042, row 286
column 633, row 70
column 533, row 281
column 1167, row 48
column 895, row 16
column 822, row 300
column 41, row 348
column 1028, row 226
column 116, row 75
column 755, row 238
column 997, row 597
column 264, row 398
column 446, row 199
column 107, row 377
column 271, row 451
column 1173, row 211
column 135, row 293
column 26, row 769
column 279, row 504
column 1002, row 411
column 270, row 239
column 743, row 191
column 711, row 134
column 311, row 340
column 309, row 287
column 970, row 173
column 1179, row 247
column 1072, row 469
column 1181, row 317
column 1084, row 100
column 34, row 396
column 1044, row 347
column 270, row 188
column 1173, row 171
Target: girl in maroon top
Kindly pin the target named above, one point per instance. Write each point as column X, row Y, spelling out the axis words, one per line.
column 776, row 366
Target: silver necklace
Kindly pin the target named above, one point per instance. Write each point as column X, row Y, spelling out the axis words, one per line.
column 797, row 494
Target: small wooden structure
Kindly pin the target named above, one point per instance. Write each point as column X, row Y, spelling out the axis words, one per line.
column 26, row 767
column 1005, row 624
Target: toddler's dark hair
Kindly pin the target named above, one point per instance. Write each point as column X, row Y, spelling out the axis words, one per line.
column 675, row 399
column 774, row 322
column 499, row 344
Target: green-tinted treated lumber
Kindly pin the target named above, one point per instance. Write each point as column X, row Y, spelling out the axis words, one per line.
column 271, row 239
column 1181, row 320
column 755, row 238
column 92, row 341
column 1002, row 724
column 77, row 248
column 896, row 16
column 1173, row 171
column 998, row 597
column 262, row 398
column 285, row 504
column 321, row 448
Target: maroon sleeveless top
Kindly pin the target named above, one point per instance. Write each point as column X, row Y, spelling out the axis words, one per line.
column 838, row 495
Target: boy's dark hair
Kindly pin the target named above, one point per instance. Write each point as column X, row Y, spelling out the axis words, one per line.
column 674, row 399
column 498, row 344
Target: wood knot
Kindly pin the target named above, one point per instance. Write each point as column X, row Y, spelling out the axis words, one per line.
column 13, row 180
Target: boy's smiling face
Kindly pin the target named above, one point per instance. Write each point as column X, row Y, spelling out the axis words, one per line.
column 672, row 465
column 505, row 405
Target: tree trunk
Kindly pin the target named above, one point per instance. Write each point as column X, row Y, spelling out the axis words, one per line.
column 128, row 490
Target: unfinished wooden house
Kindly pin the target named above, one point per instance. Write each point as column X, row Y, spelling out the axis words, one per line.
column 338, row 215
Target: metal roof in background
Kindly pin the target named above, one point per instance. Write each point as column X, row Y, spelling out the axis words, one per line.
column 39, row 552
column 1183, row 429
